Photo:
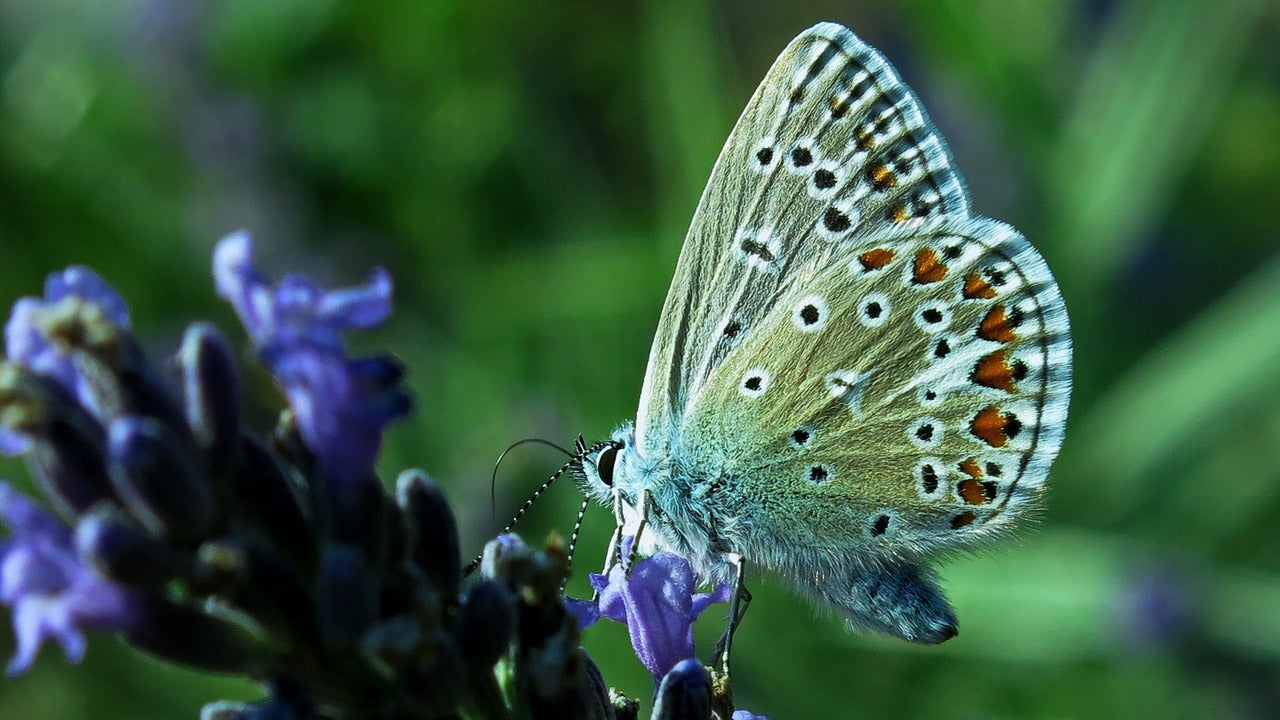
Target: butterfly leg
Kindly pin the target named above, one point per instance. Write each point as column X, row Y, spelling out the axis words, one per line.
column 642, row 509
column 739, row 600
column 613, row 555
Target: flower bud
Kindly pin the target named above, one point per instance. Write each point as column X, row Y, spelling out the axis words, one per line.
column 123, row 552
column 211, row 390
column 433, row 532
column 685, row 693
column 158, row 481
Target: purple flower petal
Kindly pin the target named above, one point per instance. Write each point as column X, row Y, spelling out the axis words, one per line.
column 295, row 310
column 240, row 284
column 498, row 550
column 658, row 605
column 54, row 595
column 360, row 308
column 13, row 443
column 701, row 601
column 87, row 285
column 27, row 345
column 24, row 517
column 341, row 404
column 586, row 612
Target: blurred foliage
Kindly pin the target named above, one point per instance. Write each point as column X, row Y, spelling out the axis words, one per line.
column 526, row 170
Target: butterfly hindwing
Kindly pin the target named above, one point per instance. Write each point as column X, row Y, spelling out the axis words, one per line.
column 909, row 397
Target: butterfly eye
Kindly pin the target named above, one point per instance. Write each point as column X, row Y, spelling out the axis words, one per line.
column 605, row 463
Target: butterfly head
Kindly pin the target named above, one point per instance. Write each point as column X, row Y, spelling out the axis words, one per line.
column 600, row 469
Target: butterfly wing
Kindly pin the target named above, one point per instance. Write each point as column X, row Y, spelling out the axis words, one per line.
column 831, row 146
column 851, row 370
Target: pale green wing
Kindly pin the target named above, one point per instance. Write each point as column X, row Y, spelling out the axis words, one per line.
column 831, row 147
column 909, row 395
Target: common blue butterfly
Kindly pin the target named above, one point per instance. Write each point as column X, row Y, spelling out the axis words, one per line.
column 852, row 372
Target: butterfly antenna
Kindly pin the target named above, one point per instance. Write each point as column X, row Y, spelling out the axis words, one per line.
column 493, row 479
column 573, row 538
column 493, row 489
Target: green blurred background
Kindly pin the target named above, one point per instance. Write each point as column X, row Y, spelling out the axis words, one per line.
column 527, row 170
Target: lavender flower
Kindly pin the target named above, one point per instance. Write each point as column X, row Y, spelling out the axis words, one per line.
column 658, row 604
column 28, row 341
column 341, row 404
column 54, row 595
column 283, row 558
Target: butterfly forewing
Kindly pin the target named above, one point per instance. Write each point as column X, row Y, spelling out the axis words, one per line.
column 832, row 146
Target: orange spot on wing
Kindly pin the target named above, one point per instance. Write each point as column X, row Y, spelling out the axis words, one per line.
column 928, row 268
column 865, row 140
column 883, row 178
column 989, row 426
column 876, row 259
column 997, row 326
column 971, row 492
column 899, row 213
column 970, row 467
column 964, row 518
column 976, row 287
column 994, row 371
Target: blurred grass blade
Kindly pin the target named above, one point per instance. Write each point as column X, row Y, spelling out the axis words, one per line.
column 1064, row 596
column 1233, row 469
column 1215, row 363
column 688, row 119
column 1144, row 103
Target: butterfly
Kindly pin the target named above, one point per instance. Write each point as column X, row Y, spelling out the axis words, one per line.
column 852, row 372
